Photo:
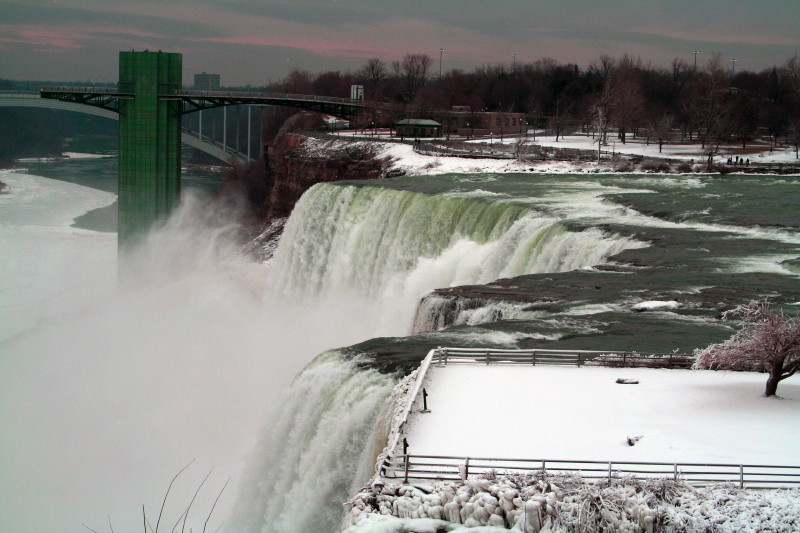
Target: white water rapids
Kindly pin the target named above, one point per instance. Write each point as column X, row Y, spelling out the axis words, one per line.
column 107, row 391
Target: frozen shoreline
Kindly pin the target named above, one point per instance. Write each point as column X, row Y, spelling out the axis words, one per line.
column 403, row 159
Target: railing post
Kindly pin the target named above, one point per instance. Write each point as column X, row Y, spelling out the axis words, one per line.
column 405, row 474
column 624, row 359
column 675, row 472
column 609, row 470
column 487, row 357
column 741, row 476
column 534, row 358
column 466, row 469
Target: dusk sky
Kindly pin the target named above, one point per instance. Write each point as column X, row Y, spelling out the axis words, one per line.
column 255, row 41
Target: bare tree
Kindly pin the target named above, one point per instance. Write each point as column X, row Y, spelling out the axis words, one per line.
column 373, row 76
column 662, row 127
column 769, row 341
column 412, row 72
column 298, row 82
column 791, row 71
column 624, row 94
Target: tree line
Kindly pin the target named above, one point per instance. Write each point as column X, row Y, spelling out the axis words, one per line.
column 622, row 96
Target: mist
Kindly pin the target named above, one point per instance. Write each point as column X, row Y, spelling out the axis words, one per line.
column 109, row 388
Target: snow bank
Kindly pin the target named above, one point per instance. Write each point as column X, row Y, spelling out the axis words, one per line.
column 543, row 503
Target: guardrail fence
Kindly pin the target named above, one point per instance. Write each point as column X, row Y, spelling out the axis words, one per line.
column 450, row 468
column 444, row 356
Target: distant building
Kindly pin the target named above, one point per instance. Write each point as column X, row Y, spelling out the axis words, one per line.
column 416, row 127
column 206, row 82
column 461, row 120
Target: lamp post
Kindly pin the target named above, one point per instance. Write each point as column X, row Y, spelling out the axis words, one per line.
column 695, row 59
column 441, row 50
column 733, row 66
column 513, row 62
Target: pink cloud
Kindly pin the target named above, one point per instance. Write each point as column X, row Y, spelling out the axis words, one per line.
column 68, row 38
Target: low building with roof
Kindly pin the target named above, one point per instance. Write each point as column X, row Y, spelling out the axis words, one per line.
column 417, row 127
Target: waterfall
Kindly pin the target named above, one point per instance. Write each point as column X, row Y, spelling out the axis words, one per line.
column 319, row 447
column 372, row 253
column 386, row 248
column 436, row 312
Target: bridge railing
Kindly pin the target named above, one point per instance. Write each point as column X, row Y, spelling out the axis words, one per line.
column 453, row 468
column 73, row 89
column 444, row 356
column 270, row 96
column 212, row 94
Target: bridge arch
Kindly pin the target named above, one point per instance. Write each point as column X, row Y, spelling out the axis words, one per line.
column 188, row 136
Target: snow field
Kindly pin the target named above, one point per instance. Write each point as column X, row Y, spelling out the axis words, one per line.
column 573, row 413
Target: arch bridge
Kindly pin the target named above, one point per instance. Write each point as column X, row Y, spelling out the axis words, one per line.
column 149, row 103
column 190, row 137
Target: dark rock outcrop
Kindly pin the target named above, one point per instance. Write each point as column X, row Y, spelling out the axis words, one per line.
column 293, row 168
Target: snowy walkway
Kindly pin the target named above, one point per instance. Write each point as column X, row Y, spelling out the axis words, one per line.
column 582, row 413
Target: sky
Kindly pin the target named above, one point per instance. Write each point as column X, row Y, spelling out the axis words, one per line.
column 257, row 41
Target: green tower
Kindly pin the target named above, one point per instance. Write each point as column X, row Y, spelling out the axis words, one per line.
column 149, row 141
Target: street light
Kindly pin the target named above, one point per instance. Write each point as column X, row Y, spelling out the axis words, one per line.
column 733, row 66
column 695, row 59
column 440, row 62
column 513, row 62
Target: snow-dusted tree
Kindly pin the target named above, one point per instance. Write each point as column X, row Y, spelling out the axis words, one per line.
column 769, row 341
column 662, row 128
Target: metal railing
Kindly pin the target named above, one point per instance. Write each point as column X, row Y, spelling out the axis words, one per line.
column 452, row 468
column 397, row 431
column 215, row 94
column 74, row 89
column 272, row 96
column 444, row 356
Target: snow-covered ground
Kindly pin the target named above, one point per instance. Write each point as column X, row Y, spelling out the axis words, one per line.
column 582, row 413
column 405, row 159
column 756, row 151
column 640, row 146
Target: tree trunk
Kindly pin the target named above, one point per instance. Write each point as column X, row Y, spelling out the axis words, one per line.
column 772, row 383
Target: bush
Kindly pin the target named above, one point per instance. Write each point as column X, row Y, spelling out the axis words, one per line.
column 655, row 166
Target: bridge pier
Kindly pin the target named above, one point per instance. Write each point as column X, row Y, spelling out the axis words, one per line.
column 149, row 141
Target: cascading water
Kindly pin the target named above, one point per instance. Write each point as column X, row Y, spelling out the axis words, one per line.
column 319, row 447
column 387, row 248
column 374, row 252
